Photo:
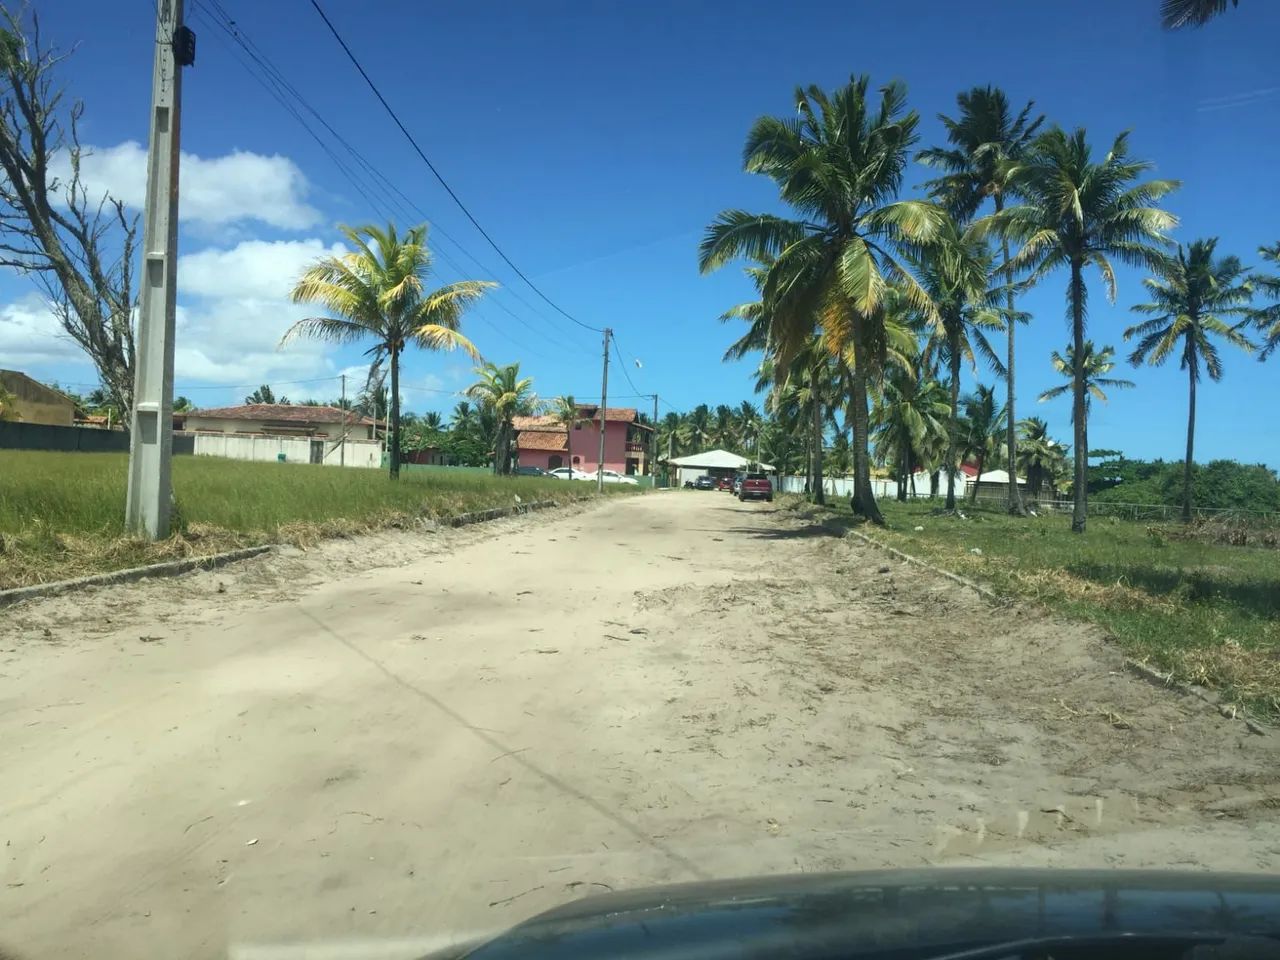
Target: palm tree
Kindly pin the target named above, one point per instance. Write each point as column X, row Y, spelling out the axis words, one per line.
column 698, row 426
column 910, row 416
column 432, row 420
column 1075, row 213
column 264, row 394
column 1039, row 456
column 671, row 434
column 508, row 395
column 1092, row 372
column 747, row 426
column 1189, row 300
column 838, row 165
column 1267, row 318
column 723, row 430
column 981, row 430
column 955, row 270
column 565, row 411
column 377, row 291
column 1175, row 14
column 986, row 140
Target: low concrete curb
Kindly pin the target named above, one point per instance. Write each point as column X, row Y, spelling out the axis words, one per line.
column 168, row 569
column 497, row 513
column 955, row 577
column 1228, row 710
column 173, row 568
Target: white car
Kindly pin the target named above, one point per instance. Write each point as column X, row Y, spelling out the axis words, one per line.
column 612, row 476
column 568, row 473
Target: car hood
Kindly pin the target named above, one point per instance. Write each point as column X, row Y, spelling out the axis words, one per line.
column 897, row 913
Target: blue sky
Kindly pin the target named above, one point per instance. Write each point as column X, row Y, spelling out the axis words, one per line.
column 596, row 140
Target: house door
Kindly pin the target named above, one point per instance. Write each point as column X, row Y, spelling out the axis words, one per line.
column 317, row 451
column 554, row 461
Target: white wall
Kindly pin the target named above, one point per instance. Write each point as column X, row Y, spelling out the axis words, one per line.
column 357, row 453
column 843, row 486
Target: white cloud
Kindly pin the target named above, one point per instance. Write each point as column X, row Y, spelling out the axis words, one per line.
column 237, row 340
column 258, row 269
column 30, row 336
column 234, row 310
column 217, row 190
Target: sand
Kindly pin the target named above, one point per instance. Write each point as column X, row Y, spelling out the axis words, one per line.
column 389, row 743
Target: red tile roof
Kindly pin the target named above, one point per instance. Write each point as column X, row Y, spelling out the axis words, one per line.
column 588, row 412
column 280, row 413
column 542, row 440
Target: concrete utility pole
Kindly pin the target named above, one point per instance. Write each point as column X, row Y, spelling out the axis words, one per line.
column 604, row 405
column 346, row 425
column 150, row 495
column 653, row 444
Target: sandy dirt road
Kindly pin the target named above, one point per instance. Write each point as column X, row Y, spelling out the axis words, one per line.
column 310, row 750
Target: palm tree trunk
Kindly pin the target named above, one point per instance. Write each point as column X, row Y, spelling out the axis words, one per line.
column 904, row 465
column 863, row 496
column 395, row 413
column 1191, row 442
column 1079, row 414
column 819, row 494
column 973, row 498
column 953, row 426
column 1016, row 506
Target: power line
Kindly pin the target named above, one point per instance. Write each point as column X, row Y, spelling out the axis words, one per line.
column 275, row 83
column 623, row 364
column 436, row 173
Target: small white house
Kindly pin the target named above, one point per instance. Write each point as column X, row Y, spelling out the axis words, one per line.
column 717, row 463
column 283, row 431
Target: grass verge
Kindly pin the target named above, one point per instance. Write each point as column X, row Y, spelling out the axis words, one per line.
column 1209, row 613
column 62, row 514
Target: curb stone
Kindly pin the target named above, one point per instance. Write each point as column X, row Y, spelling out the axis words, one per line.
column 169, row 568
column 173, row 568
column 954, row 577
column 1230, row 711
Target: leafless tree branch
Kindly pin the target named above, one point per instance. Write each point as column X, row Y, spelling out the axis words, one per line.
column 80, row 251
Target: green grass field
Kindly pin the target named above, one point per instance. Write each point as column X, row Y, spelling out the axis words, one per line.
column 62, row 514
column 1209, row 613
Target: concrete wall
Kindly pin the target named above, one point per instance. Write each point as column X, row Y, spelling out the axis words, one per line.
column 41, row 436
column 36, row 403
column 354, row 453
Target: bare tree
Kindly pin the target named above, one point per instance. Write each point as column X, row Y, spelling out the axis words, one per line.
column 79, row 249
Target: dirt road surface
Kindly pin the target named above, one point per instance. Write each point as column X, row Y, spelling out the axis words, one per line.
column 312, row 756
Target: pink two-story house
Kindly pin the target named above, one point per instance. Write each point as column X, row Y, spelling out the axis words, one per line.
column 543, row 441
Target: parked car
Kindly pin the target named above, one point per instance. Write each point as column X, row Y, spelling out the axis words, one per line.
column 612, row 476
column 755, row 486
column 704, row 482
column 531, row 472
column 568, row 473
column 724, row 483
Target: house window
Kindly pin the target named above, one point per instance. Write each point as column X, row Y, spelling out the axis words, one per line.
column 554, row 461
column 577, row 460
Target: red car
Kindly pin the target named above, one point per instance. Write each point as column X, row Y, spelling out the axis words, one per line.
column 756, row 486
column 724, row 483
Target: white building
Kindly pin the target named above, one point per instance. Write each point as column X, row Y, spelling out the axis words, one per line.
column 286, row 432
column 717, row 463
